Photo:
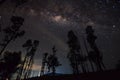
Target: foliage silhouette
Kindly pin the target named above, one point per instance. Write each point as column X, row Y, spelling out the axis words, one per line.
column 44, row 63
column 94, row 55
column 9, row 64
column 2, row 1
column 75, row 55
column 73, row 41
column 19, row 2
column 118, row 65
column 25, row 69
column 12, row 32
column 52, row 61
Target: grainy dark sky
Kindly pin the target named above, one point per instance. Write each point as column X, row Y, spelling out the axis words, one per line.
column 49, row 21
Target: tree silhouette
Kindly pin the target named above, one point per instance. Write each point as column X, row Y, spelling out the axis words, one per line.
column 0, row 24
column 44, row 62
column 9, row 64
column 75, row 55
column 25, row 69
column 118, row 65
column 72, row 43
column 12, row 32
column 0, row 28
column 52, row 61
column 19, row 2
column 94, row 55
column 91, row 39
column 2, row 1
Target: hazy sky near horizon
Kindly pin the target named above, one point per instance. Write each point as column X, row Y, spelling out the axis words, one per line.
column 49, row 21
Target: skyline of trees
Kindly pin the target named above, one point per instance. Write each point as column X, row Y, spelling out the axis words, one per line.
column 75, row 47
column 76, row 57
column 50, row 61
column 8, row 60
column 11, row 62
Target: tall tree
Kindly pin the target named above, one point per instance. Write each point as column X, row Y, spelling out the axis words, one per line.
column 9, row 64
column 75, row 56
column 118, row 65
column 52, row 61
column 25, row 69
column 2, row 1
column 12, row 32
column 94, row 55
column 44, row 62
column 19, row 2
column 0, row 24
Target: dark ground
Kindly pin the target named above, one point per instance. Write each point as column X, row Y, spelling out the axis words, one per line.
column 106, row 75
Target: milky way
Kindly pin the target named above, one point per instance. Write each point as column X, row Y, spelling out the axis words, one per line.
column 50, row 20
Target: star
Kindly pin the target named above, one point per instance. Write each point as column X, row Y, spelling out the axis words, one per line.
column 114, row 26
column 113, row 6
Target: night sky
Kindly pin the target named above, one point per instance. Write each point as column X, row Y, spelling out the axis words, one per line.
column 49, row 21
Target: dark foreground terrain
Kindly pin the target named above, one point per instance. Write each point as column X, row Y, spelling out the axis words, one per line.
column 106, row 75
